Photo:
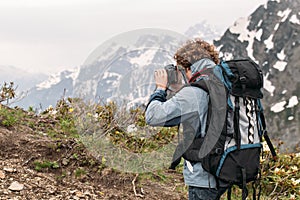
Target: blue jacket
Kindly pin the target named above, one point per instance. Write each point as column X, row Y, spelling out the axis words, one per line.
column 188, row 106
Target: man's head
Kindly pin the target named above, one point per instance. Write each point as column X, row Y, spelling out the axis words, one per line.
column 195, row 50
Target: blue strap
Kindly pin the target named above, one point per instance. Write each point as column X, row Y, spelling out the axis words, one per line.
column 260, row 106
column 218, row 70
column 226, row 68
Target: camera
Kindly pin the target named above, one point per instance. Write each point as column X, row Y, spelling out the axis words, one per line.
column 176, row 79
column 172, row 72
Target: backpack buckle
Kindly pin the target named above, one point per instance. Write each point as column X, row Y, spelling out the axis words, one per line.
column 243, row 79
column 243, row 83
column 218, row 151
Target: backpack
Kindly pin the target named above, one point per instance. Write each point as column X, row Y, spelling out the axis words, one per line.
column 232, row 152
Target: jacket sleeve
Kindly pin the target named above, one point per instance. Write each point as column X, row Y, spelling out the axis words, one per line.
column 185, row 104
column 159, row 95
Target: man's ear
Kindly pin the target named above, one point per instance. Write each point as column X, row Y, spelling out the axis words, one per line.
column 187, row 69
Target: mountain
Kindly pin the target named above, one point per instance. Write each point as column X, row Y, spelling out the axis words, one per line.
column 124, row 71
column 203, row 30
column 23, row 80
column 116, row 68
column 49, row 91
column 271, row 37
column 122, row 68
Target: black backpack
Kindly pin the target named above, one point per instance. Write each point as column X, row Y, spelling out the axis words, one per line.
column 231, row 152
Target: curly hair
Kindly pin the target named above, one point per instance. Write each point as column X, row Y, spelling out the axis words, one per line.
column 195, row 50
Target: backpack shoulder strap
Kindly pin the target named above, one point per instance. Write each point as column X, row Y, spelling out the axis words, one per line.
column 213, row 85
column 201, row 84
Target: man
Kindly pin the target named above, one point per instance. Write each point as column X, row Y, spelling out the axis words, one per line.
column 188, row 107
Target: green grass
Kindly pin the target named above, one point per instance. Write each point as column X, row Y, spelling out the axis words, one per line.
column 79, row 172
column 40, row 165
column 10, row 117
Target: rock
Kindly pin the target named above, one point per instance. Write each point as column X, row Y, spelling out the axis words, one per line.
column 75, row 198
column 79, row 194
column 9, row 169
column 5, row 192
column 87, row 193
column 16, row 186
column 73, row 191
column 65, row 161
column 2, row 174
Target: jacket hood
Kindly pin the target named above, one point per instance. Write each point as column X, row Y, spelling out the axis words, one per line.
column 201, row 64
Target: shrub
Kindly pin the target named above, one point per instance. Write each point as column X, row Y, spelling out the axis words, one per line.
column 7, row 92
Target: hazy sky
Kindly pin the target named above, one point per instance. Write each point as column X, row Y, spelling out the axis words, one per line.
column 49, row 35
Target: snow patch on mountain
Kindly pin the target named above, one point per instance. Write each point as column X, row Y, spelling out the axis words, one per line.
column 111, row 78
column 145, row 58
column 73, row 73
column 259, row 34
column 290, row 118
column 268, row 85
column 241, row 27
column 57, row 78
column 278, row 107
column 269, row 42
column 281, row 55
column 52, row 80
column 276, row 27
column 280, row 65
column 110, row 75
column 293, row 101
column 294, row 19
column 284, row 14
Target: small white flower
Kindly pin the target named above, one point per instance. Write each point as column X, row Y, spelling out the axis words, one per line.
column 295, row 182
column 277, row 170
column 294, row 168
column 265, row 146
column 96, row 115
column 52, row 112
column 131, row 128
column 293, row 197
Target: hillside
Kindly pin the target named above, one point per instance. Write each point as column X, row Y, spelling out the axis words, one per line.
column 43, row 157
column 40, row 159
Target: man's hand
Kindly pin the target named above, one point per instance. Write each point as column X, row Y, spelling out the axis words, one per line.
column 161, row 78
